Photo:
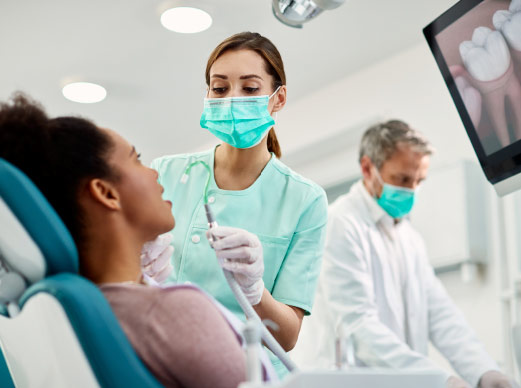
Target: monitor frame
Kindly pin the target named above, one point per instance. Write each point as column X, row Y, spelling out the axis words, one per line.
column 503, row 165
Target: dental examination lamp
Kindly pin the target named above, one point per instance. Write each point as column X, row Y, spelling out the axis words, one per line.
column 295, row 13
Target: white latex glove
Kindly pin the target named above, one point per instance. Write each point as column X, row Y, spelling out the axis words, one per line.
column 495, row 379
column 240, row 252
column 456, row 382
column 155, row 257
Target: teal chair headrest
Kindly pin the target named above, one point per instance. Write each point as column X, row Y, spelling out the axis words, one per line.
column 39, row 219
column 112, row 358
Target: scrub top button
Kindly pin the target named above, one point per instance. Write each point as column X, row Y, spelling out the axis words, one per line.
column 196, row 239
column 211, row 200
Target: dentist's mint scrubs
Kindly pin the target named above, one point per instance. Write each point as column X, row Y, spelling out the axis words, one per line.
column 286, row 211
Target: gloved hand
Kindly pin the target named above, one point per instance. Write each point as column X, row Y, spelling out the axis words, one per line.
column 155, row 257
column 240, row 252
column 456, row 382
column 495, row 379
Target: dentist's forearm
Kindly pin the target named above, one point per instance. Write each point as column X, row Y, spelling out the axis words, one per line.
column 288, row 318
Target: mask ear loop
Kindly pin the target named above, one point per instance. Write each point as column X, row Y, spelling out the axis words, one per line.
column 276, row 90
column 378, row 175
column 380, row 180
column 272, row 94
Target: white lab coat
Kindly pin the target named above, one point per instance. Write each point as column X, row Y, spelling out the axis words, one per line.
column 390, row 327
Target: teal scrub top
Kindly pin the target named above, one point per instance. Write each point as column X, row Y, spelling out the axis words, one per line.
column 286, row 211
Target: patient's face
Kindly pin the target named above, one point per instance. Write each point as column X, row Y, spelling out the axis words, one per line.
column 140, row 193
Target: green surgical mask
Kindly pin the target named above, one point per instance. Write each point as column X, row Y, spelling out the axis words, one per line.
column 242, row 122
column 395, row 200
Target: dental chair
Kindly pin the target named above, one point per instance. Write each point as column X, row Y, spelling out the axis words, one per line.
column 60, row 331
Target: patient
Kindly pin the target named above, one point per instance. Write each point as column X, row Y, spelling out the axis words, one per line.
column 112, row 205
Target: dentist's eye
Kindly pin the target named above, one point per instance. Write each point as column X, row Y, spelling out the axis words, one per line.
column 251, row 90
column 218, row 90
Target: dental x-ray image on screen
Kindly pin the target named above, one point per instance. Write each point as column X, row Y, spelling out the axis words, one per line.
column 477, row 45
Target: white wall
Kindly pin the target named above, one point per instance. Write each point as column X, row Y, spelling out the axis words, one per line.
column 410, row 87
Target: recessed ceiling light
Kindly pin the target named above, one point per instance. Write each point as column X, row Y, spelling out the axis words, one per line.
column 186, row 20
column 84, row 92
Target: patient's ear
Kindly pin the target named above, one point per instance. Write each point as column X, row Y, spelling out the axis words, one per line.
column 104, row 193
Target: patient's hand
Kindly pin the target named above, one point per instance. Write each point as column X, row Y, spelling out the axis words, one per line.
column 155, row 257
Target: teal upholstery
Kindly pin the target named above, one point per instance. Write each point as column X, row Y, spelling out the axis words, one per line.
column 111, row 357
column 39, row 220
column 3, row 310
column 113, row 360
column 5, row 377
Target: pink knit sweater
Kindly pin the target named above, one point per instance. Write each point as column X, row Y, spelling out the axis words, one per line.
column 179, row 334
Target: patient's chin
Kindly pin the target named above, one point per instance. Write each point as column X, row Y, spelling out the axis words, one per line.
column 169, row 223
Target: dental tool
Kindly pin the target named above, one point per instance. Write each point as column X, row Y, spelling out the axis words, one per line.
column 252, row 337
column 246, row 307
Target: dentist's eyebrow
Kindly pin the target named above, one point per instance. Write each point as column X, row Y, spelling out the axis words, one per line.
column 249, row 76
column 219, row 76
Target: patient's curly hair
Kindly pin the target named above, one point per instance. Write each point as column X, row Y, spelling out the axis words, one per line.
column 58, row 154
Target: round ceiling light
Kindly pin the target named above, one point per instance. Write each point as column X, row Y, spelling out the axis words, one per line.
column 186, row 20
column 84, row 92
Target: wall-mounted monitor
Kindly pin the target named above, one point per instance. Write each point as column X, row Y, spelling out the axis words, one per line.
column 477, row 46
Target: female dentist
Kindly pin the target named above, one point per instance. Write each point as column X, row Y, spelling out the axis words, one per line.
column 275, row 219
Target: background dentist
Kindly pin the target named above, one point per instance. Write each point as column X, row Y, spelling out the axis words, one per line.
column 377, row 286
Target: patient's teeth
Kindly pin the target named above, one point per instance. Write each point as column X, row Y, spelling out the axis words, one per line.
column 509, row 23
column 486, row 57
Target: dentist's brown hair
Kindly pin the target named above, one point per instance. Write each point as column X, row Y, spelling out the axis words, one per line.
column 274, row 66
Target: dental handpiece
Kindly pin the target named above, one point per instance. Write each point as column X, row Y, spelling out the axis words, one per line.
column 211, row 219
column 245, row 305
column 250, row 313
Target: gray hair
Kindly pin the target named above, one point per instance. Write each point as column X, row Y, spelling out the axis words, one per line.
column 380, row 141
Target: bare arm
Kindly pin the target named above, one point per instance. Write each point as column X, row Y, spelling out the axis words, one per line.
column 297, row 279
column 288, row 318
column 241, row 252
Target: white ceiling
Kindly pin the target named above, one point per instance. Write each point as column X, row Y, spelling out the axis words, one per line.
column 155, row 77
